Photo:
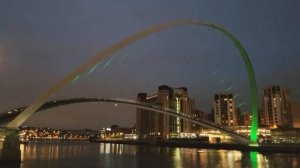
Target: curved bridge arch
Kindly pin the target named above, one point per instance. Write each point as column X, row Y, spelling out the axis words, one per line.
column 10, row 115
column 133, row 38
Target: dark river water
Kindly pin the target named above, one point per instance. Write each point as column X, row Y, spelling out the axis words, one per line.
column 88, row 155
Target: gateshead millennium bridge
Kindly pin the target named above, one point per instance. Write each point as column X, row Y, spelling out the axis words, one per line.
column 90, row 63
column 11, row 136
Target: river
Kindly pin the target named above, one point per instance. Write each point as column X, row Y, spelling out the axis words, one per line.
column 100, row 155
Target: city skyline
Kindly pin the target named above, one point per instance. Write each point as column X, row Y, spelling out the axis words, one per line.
column 38, row 50
column 287, row 109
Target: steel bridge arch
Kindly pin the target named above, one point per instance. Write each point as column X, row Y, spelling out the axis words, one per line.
column 9, row 115
column 133, row 38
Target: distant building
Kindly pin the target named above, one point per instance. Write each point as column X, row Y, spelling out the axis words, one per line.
column 211, row 116
column 155, row 125
column 240, row 121
column 245, row 119
column 295, row 106
column 261, row 118
column 276, row 110
column 198, row 115
column 224, row 110
column 124, row 130
column 116, row 132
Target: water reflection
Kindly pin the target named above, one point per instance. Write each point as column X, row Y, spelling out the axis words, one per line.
column 219, row 158
column 177, row 158
column 111, row 149
column 84, row 154
column 253, row 159
column 295, row 162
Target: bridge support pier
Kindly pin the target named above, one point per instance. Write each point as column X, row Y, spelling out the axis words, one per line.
column 9, row 145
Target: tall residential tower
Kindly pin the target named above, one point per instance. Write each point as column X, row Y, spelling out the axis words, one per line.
column 224, row 110
column 276, row 110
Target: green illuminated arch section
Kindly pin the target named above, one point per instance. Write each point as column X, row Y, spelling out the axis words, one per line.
column 133, row 38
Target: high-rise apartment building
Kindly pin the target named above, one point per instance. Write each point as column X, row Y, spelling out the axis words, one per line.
column 224, row 110
column 155, row 125
column 276, row 110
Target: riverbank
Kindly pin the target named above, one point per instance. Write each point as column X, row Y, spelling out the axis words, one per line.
column 264, row 148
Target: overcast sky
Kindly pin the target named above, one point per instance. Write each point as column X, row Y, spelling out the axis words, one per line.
column 41, row 41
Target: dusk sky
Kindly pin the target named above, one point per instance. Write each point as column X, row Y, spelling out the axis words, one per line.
column 41, row 41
